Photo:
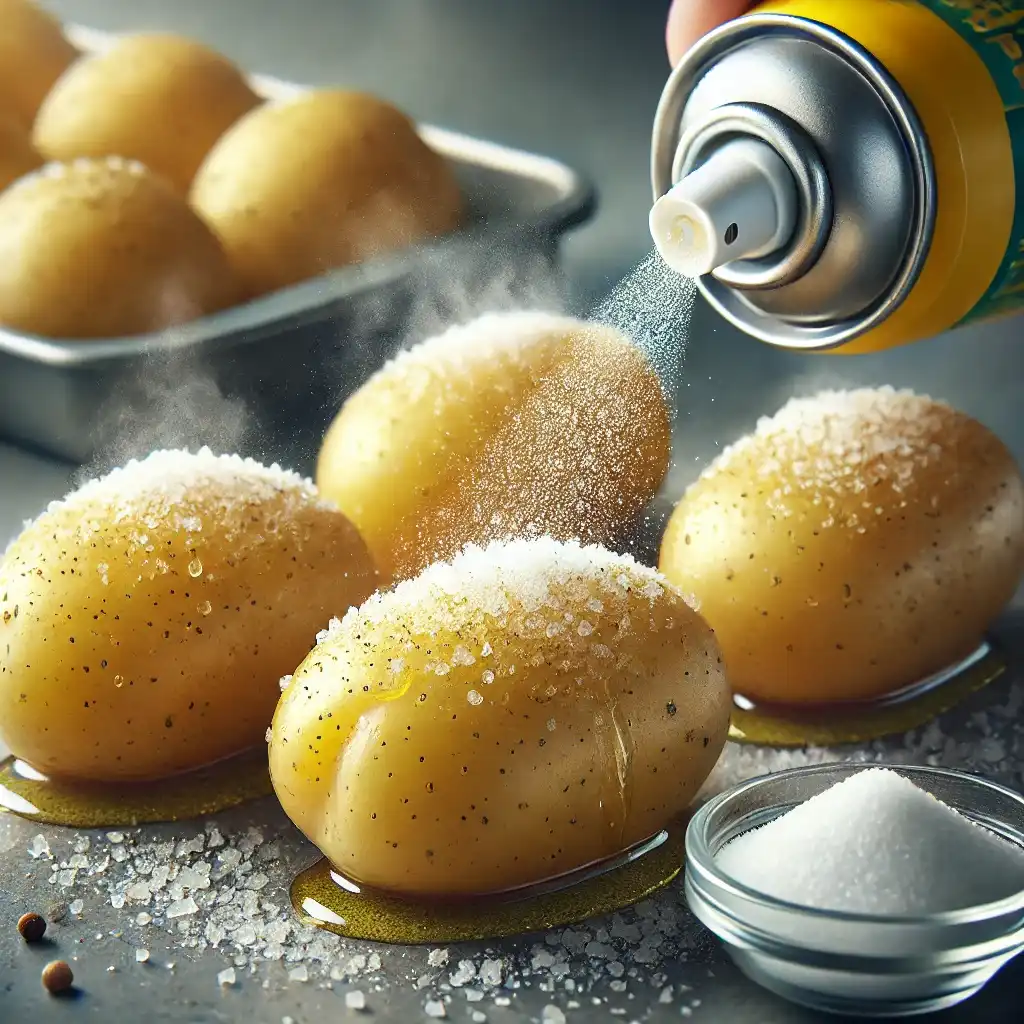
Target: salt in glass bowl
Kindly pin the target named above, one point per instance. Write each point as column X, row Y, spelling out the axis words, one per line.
column 845, row 963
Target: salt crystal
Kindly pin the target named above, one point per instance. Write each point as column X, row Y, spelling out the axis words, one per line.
column 143, row 919
column 355, row 1000
column 875, row 844
column 139, row 891
column 473, row 995
column 552, row 1015
column 475, row 697
column 180, row 908
column 617, row 986
column 117, row 900
column 226, row 977
column 666, row 995
column 434, row 1008
column 478, row 1017
column 193, row 845
column 141, row 956
column 492, row 972
column 227, row 860
column 465, row 973
column 542, row 959
column 299, row 973
column 39, row 847
column 437, row 957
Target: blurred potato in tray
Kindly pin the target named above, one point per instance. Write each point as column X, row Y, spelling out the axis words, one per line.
column 104, row 249
column 153, row 97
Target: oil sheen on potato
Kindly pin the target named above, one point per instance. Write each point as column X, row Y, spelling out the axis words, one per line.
column 524, row 710
column 146, row 619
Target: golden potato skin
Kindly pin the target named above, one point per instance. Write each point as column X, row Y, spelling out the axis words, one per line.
column 17, row 157
column 855, row 544
column 441, row 744
column 325, row 180
column 515, row 424
column 145, row 635
column 153, row 97
column 33, row 54
column 104, row 249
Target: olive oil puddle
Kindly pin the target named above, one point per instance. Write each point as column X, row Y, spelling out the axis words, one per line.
column 324, row 898
column 194, row 794
column 863, row 721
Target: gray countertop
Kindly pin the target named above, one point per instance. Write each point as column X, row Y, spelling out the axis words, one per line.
column 576, row 79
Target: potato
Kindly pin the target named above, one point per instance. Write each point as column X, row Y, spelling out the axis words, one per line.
column 102, row 249
column 522, row 711
column 515, row 424
column 146, row 619
column 321, row 181
column 156, row 98
column 33, row 55
column 17, row 157
column 854, row 544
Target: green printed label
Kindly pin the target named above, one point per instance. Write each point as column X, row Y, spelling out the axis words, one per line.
column 995, row 31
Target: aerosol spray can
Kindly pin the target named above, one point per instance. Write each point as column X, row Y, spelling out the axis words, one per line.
column 848, row 174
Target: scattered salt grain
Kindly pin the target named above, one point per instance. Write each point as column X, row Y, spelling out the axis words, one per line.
column 141, row 956
column 478, row 1017
column 76, row 907
column 552, row 1015
column 181, row 908
column 437, row 957
column 492, row 972
column 300, row 973
column 434, row 1008
column 355, row 1000
column 39, row 847
column 875, row 844
column 226, row 977
column 464, row 974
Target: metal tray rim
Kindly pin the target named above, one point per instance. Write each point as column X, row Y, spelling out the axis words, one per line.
column 576, row 204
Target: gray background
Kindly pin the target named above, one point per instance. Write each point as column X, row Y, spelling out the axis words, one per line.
column 579, row 80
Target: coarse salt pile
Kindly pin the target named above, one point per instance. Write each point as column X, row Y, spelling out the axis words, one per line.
column 486, row 582
column 835, row 439
column 876, row 844
column 168, row 477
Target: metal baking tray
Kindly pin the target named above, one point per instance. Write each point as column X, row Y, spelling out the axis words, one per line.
column 265, row 378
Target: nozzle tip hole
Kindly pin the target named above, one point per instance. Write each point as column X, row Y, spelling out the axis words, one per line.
column 731, row 234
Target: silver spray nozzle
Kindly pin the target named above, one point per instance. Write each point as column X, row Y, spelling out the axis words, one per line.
column 741, row 203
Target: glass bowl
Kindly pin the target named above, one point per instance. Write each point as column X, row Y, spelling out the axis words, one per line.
column 845, row 963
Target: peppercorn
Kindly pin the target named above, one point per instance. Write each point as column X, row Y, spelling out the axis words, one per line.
column 57, row 977
column 32, row 927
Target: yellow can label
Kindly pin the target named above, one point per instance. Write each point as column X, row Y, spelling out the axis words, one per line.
column 995, row 31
